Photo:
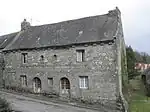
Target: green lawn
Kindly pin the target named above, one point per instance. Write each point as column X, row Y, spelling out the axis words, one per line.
column 138, row 106
column 139, row 102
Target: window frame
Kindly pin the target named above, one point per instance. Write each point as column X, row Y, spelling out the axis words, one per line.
column 42, row 58
column 55, row 57
column 23, row 80
column 24, row 58
column 83, row 82
column 50, row 79
column 65, row 83
column 81, row 53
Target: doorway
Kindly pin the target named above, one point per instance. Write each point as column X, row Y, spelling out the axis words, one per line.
column 37, row 85
column 65, row 87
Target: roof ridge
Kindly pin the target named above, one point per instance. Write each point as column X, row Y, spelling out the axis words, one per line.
column 72, row 20
column 87, row 29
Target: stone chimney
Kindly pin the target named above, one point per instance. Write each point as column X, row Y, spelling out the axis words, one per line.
column 115, row 12
column 25, row 25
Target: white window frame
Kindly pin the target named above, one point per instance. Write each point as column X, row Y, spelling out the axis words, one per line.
column 23, row 79
column 83, row 82
column 80, row 55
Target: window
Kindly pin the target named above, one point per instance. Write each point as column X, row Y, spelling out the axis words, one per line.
column 50, row 81
column 80, row 55
column 54, row 57
column 23, row 80
column 37, row 82
column 83, row 82
column 41, row 58
column 24, row 57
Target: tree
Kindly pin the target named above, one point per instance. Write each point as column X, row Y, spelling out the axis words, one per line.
column 142, row 57
column 138, row 57
column 131, row 60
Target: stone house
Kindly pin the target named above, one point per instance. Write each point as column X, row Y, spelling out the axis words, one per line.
column 141, row 67
column 78, row 59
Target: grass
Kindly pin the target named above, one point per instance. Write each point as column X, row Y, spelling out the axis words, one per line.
column 139, row 102
column 140, row 106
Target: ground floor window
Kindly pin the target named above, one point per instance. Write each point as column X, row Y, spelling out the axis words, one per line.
column 50, row 81
column 37, row 85
column 23, row 79
column 83, row 82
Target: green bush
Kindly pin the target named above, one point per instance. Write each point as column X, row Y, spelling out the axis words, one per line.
column 4, row 106
column 18, row 89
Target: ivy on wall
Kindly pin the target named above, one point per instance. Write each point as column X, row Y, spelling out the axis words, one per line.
column 124, row 68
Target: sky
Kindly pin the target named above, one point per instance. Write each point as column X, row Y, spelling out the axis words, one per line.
column 135, row 15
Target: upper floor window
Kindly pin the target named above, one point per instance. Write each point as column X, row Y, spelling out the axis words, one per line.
column 24, row 57
column 80, row 55
column 41, row 58
column 54, row 58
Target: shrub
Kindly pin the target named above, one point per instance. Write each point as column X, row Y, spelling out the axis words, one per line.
column 4, row 106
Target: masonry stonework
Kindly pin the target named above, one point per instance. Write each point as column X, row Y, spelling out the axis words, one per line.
column 99, row 66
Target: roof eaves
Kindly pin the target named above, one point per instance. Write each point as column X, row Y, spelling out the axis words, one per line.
column 65, row 45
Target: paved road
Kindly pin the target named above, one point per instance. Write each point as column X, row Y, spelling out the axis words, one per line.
column 25, row 104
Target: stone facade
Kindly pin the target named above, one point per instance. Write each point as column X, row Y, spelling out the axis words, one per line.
column 1, row 68
column 54, row 68
column 99, row 66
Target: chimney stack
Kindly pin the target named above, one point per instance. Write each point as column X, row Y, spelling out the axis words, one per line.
column 115, row 12
column 25, row 25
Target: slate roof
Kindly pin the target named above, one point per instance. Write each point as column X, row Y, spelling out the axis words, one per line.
column 89, row 29
column 6, row 39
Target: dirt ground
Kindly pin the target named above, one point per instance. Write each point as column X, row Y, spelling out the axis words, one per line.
column 26, row 104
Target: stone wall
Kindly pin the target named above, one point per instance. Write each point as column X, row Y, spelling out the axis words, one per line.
column 99, row 66
column 121, row 66
column 2, row 65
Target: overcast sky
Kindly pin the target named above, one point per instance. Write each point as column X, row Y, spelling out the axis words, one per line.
column 135, row 15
